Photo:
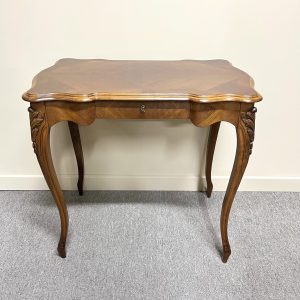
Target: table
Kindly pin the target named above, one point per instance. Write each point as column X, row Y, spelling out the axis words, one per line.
column 82, row 90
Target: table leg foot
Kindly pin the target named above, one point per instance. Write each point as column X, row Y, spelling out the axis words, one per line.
column 61, row 248
column 209, row 190
column 226, row 253
column 80, row 188
column 212, row 139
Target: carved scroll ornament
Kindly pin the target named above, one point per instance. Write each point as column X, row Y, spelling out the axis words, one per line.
column 37, row 119
column 248, row 119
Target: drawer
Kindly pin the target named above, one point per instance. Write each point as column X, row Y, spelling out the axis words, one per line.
column 142, row 109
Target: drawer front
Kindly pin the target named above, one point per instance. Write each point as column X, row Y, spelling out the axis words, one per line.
column 142, row 109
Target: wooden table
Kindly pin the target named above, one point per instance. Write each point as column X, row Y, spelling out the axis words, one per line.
column 80, row 91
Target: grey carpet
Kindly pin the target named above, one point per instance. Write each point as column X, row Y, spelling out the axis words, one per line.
column 149, row 245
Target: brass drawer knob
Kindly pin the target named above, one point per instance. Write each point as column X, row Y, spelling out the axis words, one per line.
column 143, row 108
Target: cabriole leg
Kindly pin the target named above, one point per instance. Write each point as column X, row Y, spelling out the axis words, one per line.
column 245, row 136
column 213, row 134
column 40, row 135
column 76, row 141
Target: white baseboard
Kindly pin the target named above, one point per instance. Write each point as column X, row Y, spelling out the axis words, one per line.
column 145, row 182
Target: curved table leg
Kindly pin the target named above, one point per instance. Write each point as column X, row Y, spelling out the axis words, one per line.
column 213, row 135
column 76, row 141
column 40, row 135
column 245, row 137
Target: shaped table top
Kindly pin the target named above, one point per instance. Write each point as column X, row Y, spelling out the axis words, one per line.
column 84, row 80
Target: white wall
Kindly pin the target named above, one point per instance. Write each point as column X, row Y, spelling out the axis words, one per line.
column 260, row 37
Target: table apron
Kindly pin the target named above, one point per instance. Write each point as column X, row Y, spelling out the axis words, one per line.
column 200, row 114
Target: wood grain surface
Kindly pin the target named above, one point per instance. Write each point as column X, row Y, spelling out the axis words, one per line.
column 84, row 80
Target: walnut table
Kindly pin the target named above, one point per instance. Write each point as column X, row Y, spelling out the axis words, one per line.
column 80, row 91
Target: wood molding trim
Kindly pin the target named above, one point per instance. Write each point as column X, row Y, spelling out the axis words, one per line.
column 32, row 97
